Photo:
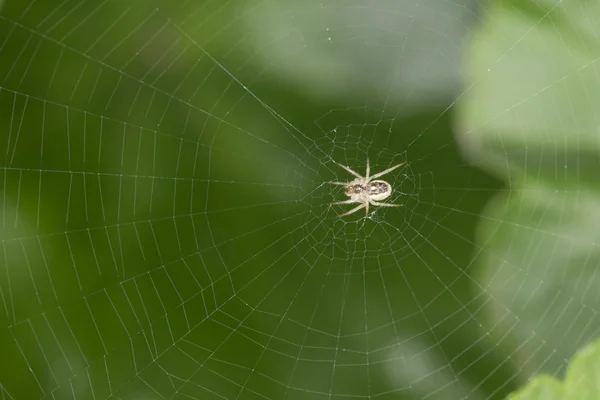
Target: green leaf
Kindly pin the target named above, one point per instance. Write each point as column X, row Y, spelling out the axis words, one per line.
column 532, row 118
column 581, row 382
column 536, row 75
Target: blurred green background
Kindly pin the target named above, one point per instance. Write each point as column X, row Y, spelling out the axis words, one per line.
column 166, row 227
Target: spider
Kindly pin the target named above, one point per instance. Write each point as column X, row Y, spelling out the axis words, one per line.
column 366, row 190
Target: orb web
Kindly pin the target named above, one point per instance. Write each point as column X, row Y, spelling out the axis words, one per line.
column 167, row 229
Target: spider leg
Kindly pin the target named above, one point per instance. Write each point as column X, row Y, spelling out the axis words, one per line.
column 355, row 209
column 338, row 183
column 377, row 175
column 368, row 171
column 349, row 170
column 375, row 203
column 345, row 202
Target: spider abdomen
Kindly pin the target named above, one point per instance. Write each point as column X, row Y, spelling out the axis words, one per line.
column 378, row 187
column 379, row 190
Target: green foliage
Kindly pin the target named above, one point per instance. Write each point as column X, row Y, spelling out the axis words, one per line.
column 531, row 118
column 166, row 228
column 581, row 381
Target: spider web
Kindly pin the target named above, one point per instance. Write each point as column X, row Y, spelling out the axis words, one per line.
column 166, row 227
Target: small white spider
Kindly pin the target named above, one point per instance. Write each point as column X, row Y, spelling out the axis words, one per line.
column 366, row 190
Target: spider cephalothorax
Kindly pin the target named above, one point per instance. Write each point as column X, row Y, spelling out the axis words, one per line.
column 367, row 190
